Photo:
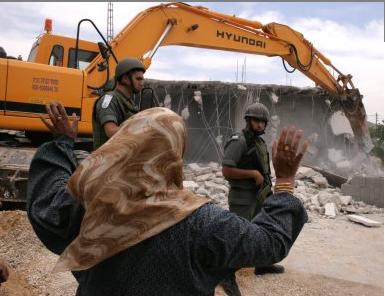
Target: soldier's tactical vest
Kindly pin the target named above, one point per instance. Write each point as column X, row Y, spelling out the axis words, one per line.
column 126, row 110
column 256, row 158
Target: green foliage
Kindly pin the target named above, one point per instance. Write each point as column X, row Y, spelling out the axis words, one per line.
column 377, row 135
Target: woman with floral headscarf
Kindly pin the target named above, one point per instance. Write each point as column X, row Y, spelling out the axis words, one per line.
column 124, row 224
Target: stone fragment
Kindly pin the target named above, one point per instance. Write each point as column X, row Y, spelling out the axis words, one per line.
column 350, row 209
column 364, row 221
column 204, row 177
column 326, row 197
column 219, row 174
column 203, row 171
column 320, row 181
column 219, row 181
column 304, row 172
column 345, row 199
column 202, row 191
column 189, row 177
column 193, row 166
column 190, row 185
column 198, row 170
column 331, row 210
column 216, row 188
column 314, row 200
column 213, row 165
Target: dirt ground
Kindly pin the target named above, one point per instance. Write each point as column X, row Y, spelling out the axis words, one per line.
column 330, row 257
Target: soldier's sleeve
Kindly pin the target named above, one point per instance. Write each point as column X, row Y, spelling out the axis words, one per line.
column 234, row 150
column 106, row 110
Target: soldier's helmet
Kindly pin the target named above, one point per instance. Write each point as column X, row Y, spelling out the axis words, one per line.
column 127, row 65
column 257, row 111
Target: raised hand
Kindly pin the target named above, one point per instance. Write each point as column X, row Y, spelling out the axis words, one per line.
column 61, row 123
column 285, row 154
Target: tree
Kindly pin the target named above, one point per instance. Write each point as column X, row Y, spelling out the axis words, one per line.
column 377, row 134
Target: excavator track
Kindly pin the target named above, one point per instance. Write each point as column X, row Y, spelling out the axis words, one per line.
column 16, row 153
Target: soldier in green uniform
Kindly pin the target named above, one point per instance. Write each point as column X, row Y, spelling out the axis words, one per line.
column 246, row 166
column 114, row 107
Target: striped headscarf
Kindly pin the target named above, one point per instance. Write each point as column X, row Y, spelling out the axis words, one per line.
column 131, row 188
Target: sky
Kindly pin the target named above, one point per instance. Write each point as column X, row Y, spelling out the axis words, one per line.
column 350, row 34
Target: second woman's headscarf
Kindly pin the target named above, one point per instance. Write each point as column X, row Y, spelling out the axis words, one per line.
column 131, row 188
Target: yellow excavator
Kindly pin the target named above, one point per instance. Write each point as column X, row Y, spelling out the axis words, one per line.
column 76, row 72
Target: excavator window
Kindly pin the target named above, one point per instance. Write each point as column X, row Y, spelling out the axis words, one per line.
column 57, row 54
column 85, row 57
column 33, row 52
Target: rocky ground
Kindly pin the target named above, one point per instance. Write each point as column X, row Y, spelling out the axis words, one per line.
column 332, row 256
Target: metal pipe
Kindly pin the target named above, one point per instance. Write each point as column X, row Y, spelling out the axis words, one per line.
column 162, row 37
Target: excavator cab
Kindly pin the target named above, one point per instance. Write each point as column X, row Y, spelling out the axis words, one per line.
column 56, row 50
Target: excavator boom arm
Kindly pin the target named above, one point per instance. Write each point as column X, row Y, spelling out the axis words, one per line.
column 185, row 25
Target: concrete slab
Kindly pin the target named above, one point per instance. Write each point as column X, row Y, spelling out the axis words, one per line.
column 363, row 220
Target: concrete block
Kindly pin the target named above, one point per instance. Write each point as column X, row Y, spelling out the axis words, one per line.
column 326, row 197
column 219, row 181
column 188, row 176
column 205, row 177
column 202, row 191
column 320, row 181
column 345, row 199
column 304, row 172
column 216, row 188
column 219, row 174
column 190, row 185
column 364, row 221
column 331, row 210
column 194, row 166
column 314, row 201
column 213, row 165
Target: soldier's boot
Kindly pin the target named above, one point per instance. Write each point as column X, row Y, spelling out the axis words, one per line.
column 269, row 269
column 230, row 286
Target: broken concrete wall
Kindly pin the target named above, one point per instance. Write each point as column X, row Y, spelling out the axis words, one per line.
column 367, row 189
column 214, row 110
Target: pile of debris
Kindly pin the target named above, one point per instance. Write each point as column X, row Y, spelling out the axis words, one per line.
column 311, row 187
column 318, row 196
column 207, row 180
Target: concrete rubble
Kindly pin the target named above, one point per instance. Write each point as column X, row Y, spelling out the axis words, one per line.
column 364, row 221
column 311, row 187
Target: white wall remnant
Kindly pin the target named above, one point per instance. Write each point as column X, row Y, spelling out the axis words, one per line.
column 185, row 113
column 274, row 98
column 167, row 101
column 339, row 124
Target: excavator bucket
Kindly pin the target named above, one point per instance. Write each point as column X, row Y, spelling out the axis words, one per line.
column 355, row 112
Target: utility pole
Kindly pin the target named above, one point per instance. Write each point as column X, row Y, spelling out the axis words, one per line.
column 110, row 22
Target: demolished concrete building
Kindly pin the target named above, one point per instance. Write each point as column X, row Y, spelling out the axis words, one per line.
column 214, row 110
